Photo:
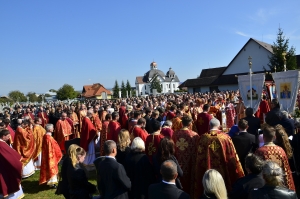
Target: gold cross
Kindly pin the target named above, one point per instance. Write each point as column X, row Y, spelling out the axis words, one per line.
column 214, row 146
column 151, row 149
column 201, row 121
column 182, row 144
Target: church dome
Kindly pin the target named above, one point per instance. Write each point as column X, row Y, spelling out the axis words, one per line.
column 153, row 64
column 170, row 73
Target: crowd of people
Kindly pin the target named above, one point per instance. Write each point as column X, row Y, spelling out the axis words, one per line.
column 204, row 145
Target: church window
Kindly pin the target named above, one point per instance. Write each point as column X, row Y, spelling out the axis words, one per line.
column 173, row 85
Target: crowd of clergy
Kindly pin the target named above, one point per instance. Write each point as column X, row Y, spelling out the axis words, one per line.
column 203, row 145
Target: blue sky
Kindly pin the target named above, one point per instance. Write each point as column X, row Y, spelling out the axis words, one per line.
column 45, row 44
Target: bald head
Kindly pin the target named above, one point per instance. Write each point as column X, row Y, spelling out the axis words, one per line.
column 168, row 170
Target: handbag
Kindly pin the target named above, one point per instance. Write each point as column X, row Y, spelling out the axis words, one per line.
column 59, row 187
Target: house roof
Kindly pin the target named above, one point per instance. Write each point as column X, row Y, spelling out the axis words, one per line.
column 209, row 72
column 94, row 90
column 204, row 81
column 139, row 80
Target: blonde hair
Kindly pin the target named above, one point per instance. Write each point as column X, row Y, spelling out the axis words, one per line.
column 282, row 140
column 74, row 153
column 124, row 139
column 272, row 174
column 213, row 183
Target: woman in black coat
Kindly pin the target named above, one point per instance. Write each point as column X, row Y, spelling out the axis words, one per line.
column 139, row 170
column 166, row 152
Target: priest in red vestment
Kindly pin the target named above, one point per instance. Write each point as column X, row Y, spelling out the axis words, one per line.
column 51, row 155
column 264, row 109
column 114, row 127
column 139, row 130
column 62, row 131
column 11, row 131
column 136, row 116
column 103, row 134
column 29, row 114
column 73, row 116
column 87, row 134
column 216, row 151
column 44, row 117
column 172, row 112
column 122, row 111
column 275, row 153
column 153, row 140
column 38, row 133
column 203, row 119
column 24, row 144
column 96, row 120
column 176, row 121
column 230, row 114
column 186, row 142
column 10, row 169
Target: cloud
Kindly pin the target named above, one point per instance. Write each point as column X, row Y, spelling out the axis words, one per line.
column 262, row 16
column 242, row 34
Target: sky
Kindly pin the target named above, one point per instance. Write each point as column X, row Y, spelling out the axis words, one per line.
column 46, row 44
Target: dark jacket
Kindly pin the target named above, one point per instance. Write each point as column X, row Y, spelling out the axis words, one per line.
column 112, row 180
column 244, row 143
column 254, row 125
column 273, row 117
column 272, row 193
column 157, row 164
column 79, row 186
column 121, row 155
column 64, row 177
column 288, row 125
column 166, row 191
column 208, row 196
column 242, row 187
column 141, row 174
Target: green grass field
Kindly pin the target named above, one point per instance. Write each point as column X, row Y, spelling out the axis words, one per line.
column 32, row 189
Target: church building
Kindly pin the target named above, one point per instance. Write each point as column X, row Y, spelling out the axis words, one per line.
column 169, row 82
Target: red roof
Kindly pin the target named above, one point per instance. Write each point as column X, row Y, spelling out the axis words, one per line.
column 94, row 90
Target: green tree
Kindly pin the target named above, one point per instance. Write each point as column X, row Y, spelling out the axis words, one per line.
column 277, row 59
column 116, row 90
column 32, row 97
column 123, row 89
column 17, row 96
column 66, row 92
column 155, row 84
column 128, row 87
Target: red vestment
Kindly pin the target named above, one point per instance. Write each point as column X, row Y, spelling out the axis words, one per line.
column 124, row 123
column 176, row 124
column 10, row 170
column 202, row 123
column 103, row 115
column 170, row 115
column 139, row 132
column 122, row 111
column 131, row 124
column 44, row 117
column 216, row 151
column 38, row 134
column 51, row 155
column 114, row 128
column 277, row 155
column 264, row 109
column 75, row 128
column 24, row 144
column 29, row 114
column 97, row 122
column 167, row 132
column 103, row 136
column 230, row 115
column 62, row 131
column 87, row 133
column 186, row 145
column 152, row 144
column 12, row 134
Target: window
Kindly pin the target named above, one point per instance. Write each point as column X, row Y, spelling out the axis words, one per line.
column 145, row 87
column 161, row 85
column 173, row 85
column 169, row 86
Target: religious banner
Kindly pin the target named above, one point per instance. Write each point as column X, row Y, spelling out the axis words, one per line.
column 287, row 84
column 257, row 87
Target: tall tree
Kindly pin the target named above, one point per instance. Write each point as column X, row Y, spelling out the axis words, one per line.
column 155, row 84
column 116, row 90
column 32, row 97
column 123, row 89
column 66, row 92
column 128, row 87
column 277, row 59
column 17, row 96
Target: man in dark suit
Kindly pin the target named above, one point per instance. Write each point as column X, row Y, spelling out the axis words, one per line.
column 242, row 187
column 244, row 142
column 167, row 188
column 253, row 122
column 273, row 116
column 111, row 176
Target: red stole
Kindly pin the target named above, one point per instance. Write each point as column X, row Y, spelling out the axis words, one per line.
column 88, row 132
column 152, row 144
column 103, row 136
column 10, row 170
column 51, row 155
column 12, row 134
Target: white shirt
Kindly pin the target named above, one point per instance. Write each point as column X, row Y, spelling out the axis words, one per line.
column 110, row 157
column 168, row 182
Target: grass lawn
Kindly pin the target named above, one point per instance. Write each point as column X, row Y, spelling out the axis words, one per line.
column 32, row 189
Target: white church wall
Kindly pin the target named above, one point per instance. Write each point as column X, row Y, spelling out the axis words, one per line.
column 228, row 87
column 260, row 59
